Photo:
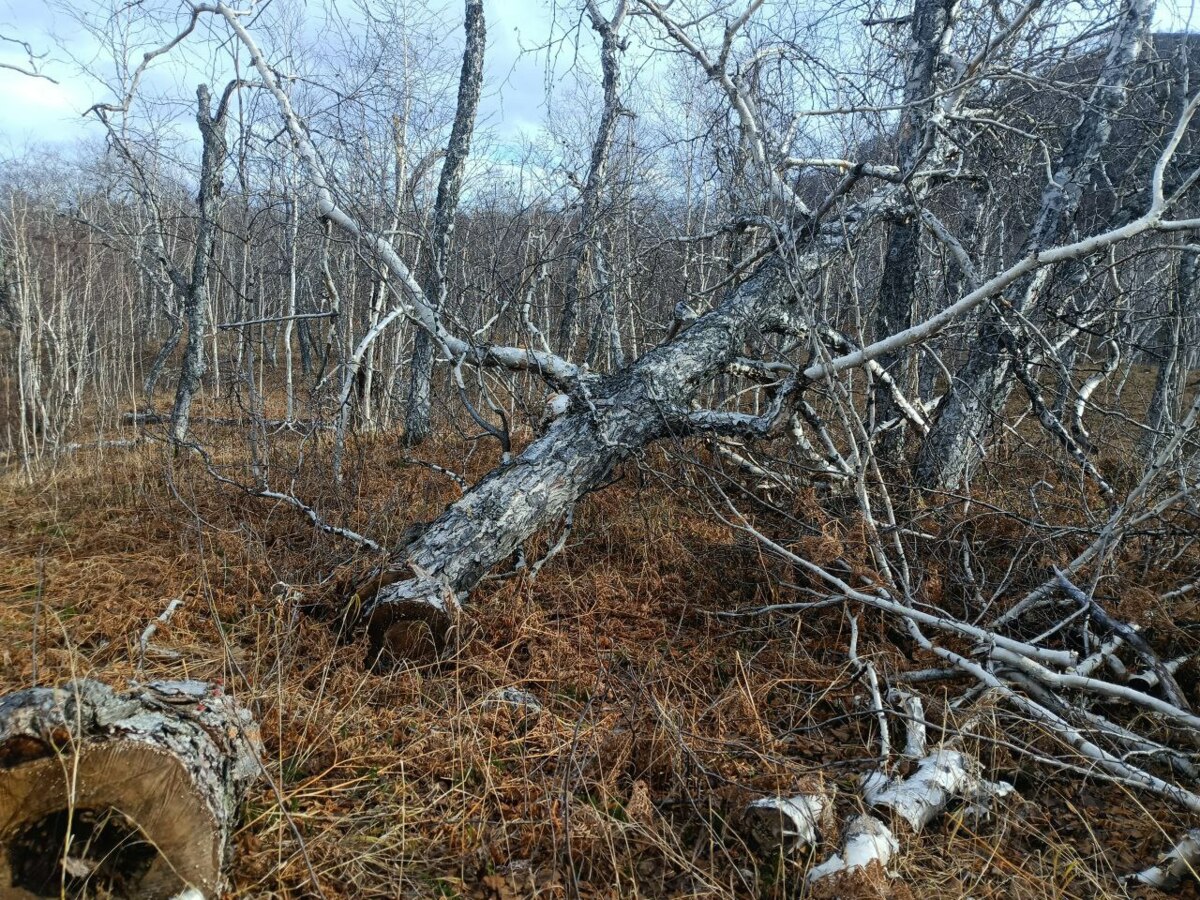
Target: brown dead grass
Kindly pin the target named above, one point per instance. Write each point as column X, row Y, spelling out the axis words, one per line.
column 662, row 718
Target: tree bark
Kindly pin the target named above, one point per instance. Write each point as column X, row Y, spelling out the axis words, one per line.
column 932, row 26
column 589, row 252
column 409, row 607
column 136, row 793
column 195, row 306
column 1172, row 367
column 470, row 86
column 1176, row 865
column 788, row 824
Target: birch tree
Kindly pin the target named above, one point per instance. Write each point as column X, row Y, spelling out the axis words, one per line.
column 920, row 121
column 195, row 288
column 470, row 87
column 589, row 271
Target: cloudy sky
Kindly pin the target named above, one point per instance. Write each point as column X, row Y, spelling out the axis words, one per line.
column 36, row 111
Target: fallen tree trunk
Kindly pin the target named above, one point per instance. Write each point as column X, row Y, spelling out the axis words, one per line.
column 409, row 607
column 134, row 794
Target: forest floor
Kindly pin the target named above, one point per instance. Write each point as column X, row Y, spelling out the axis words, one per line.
column 663, row 716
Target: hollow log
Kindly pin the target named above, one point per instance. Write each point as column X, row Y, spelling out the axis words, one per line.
column 129, row 794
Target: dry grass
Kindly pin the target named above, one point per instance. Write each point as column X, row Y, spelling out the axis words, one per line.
column 662, row 719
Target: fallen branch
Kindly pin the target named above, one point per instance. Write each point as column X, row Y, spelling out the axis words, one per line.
column 942, row 776
column 1143, row 649
column 163, row 618
column 788, row 824
column 867, row 842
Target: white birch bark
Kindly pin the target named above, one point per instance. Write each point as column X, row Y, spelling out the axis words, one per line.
column 1182, row 861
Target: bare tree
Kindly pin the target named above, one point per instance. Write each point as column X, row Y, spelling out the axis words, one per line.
column 982, row 385
column 921, row 119
column 470, row 87
column 588, row 274
column 195, row 288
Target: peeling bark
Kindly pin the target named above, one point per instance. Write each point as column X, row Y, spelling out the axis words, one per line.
column 788, row 824
column 941, row 777
column 1182, row 861
column 867, row 844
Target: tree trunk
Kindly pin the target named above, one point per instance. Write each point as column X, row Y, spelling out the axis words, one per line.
column 470, row 86
column 588, row 252
column 1172, row 370
column 195, row 309
column 932, row 26
column 289, row 327
column 164, row 352
column 410, row 606
column 134, row 793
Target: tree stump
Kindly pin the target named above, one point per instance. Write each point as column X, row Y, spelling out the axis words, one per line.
column 120, row 794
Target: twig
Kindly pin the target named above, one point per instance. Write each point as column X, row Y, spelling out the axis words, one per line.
column 331, row 314
column 163, row 618
column 463, row 484
column 868, row 670
column 320, row 523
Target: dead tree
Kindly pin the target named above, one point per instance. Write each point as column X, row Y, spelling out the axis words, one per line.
column 195, row 303
column 190, row 288
column 1169, row 384
column 470, row 87
column 982, row 385
column 132, row 793
column 817, row 213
